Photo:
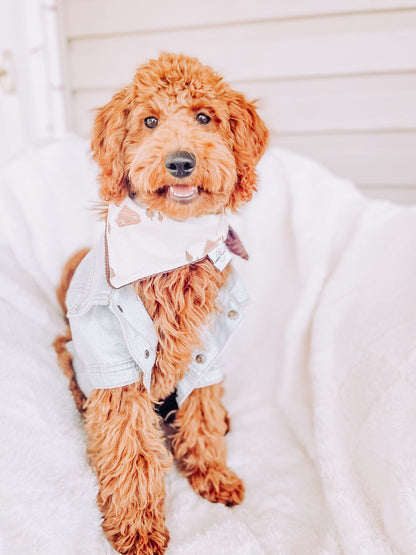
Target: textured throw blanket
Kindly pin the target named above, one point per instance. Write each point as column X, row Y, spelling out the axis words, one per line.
column 320, row 379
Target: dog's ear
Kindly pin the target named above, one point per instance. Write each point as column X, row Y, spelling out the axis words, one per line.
column 250, row 141
column 110, row 130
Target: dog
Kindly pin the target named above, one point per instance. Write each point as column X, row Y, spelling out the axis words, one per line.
column 151, row 306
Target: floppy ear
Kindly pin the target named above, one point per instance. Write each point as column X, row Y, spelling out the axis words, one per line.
column 250, row 141
column 109, row 132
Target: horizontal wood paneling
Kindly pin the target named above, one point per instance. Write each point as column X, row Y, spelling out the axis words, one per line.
column 369, row 43
column 360, row 103
column 107, row 17
column 369, row 159
column 393, row 194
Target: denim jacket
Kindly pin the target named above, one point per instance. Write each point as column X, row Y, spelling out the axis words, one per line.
column 114, row 340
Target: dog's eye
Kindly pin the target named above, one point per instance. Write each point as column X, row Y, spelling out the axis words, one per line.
column 151, row 122
column 203, row 119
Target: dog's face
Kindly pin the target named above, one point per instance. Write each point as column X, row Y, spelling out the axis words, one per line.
column 179, row 139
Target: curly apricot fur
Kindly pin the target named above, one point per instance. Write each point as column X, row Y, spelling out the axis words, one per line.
column 126, row 443
column 179, row 303
column 174, row 89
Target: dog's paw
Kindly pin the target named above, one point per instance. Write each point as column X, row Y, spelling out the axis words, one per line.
column 218, row 485
column 155, row 543
column 132, row 541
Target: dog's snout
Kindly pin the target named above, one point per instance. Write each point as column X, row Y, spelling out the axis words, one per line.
column 180, row 163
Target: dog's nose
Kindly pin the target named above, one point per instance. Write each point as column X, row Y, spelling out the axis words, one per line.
column 180, row 163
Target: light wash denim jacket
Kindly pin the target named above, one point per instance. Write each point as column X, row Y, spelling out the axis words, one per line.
column 114, row 340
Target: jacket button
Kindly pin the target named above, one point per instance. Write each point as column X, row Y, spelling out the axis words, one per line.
column 146, row 354
column 233, row 315
column 200, row 359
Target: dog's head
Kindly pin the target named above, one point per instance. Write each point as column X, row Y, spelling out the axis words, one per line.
column 179, row 139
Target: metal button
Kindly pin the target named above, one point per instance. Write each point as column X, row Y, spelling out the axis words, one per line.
column 233, row 315
column 200, row 359
column 146, row 354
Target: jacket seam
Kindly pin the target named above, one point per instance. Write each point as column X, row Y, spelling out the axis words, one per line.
column 115, row 367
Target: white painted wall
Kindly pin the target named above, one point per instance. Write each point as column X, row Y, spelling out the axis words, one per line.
column 33, row 107
column 336, row 79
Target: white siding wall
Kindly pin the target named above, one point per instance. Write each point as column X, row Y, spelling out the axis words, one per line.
column 336, row 79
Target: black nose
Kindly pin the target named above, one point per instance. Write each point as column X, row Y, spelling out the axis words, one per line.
column 180, row 163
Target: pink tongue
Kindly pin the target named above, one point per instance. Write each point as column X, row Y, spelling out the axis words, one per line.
column 183, row 190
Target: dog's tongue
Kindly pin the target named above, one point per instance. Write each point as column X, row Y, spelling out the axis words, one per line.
column 182, row 191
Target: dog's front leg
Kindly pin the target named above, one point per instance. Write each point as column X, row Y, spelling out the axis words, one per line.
column 199, row 447
column 126, row 448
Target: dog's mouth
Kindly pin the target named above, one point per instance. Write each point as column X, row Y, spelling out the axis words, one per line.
column 181, row 193
column 183, row 200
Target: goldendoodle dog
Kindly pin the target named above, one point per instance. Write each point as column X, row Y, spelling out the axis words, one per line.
column 151, row 306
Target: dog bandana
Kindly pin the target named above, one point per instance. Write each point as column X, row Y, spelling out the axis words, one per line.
column 141, row 242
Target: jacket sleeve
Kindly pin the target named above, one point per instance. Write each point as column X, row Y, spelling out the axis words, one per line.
column 107, row 351
column 101, row 357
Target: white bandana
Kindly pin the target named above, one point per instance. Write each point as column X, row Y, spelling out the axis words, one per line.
column 141, row 242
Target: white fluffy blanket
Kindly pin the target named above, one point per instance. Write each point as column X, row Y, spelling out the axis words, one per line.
column 321, row 380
